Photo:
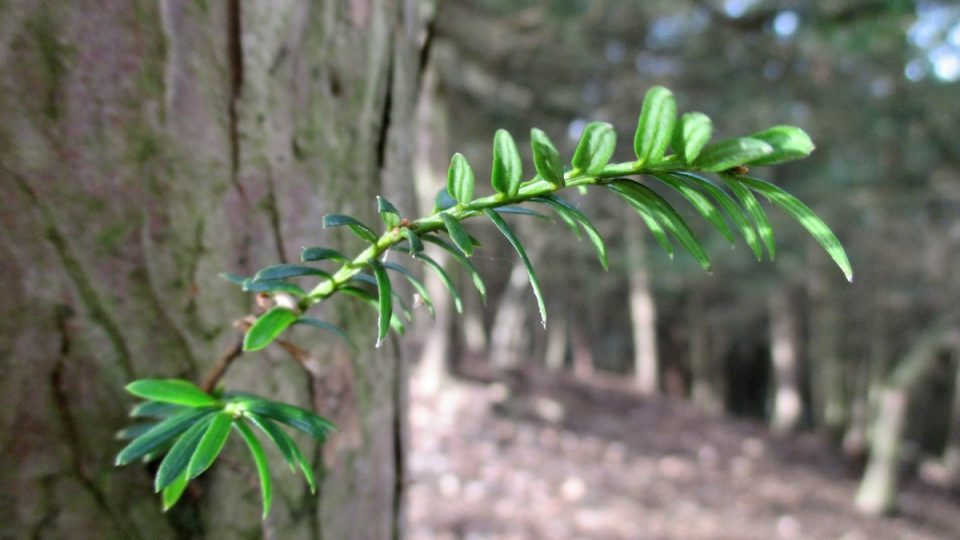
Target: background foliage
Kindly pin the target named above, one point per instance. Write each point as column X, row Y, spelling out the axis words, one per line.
column 873, row 83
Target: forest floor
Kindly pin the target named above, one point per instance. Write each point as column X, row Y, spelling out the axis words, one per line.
column 564, row 459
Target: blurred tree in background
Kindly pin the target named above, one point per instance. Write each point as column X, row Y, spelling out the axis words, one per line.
column 873, row 364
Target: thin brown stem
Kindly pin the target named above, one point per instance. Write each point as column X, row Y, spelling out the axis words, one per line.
column 220, row 368
column 223, row 363
column 302, row 356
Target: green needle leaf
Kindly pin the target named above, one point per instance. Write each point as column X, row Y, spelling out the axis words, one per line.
column 295, row 417
column 321, row 253
column 457, row 233
column 178, row 457
column 176, row 391
column 157, row 454
column 395, row 323
column 284, row 271
column 171, row 493
column 788, row 142
column 131, row 432
column 311, row 321
column 287, row 446
column 507, row 171
column 443, row 201
column 807, row 218
column 154, row 409
column 756, row 212
column 416, row 283
column 160, row 434
column 358, row 228
column 730, row 206
column 413, row 240
column 363, row 277
column 273, row 286
column 656, row 229
column 655, row 127
column 210, row 445
column 260, row 460
column 388, row 212
column 730, row 153
column 642, row 197
column 384, row 299
column 460, row 179
column 700, row 203
column 565, row 216
column 233, row 278
column 596, row 147
column 464, row 262
column 691, row 134
column 521, row 211
column 534, row 283
column 277, row 436
column 267, row 327
column 645, row 213
column 546, row 159
column 564, row 208
column 444, row 277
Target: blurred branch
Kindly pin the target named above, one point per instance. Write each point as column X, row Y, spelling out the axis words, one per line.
column 226, row 359
column 757, row 20
column 754, row 22
column 220, row 368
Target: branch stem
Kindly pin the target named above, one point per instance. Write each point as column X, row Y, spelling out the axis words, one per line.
column 219, row 369
column 530, row 189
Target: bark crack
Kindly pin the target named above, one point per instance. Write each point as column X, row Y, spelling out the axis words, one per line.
column 48, row 486
column 314, row 503
column 424, row 56
column 178, row 334
column 78, row 276
column 191, row 309
column 273, row 209
column 399, row 450
column 386, row 118
column 235, row 59
column 71, row 432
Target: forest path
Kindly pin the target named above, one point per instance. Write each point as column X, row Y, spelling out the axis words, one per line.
column 567, row 460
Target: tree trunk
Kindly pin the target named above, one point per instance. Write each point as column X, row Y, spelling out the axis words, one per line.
column 507, row 338
column 643, row 313
column 430, row 164
column 145, row 147
column 706, row 386
column 869, row 381
column 951, row 452
column 787, row 405
column 471, row 324
column 878, row 488
column 583, row 361
column 555, row 356
column 828, row 391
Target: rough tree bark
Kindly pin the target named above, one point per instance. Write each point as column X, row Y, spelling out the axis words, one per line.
column 145, row 147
